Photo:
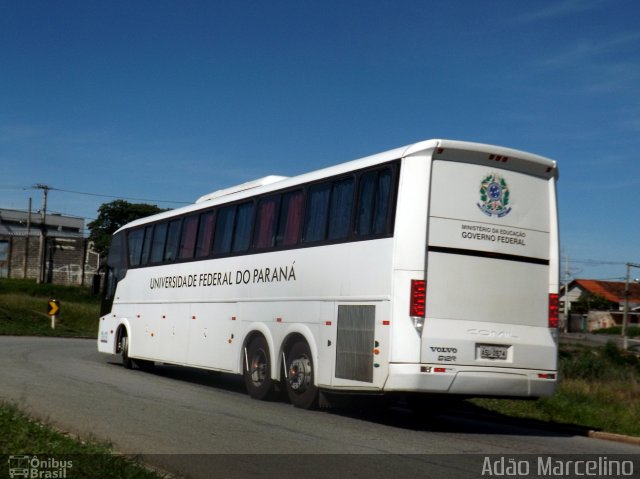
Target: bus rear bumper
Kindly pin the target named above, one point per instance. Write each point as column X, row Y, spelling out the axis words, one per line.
column 470, row 380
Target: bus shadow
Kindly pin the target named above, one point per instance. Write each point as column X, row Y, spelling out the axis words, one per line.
column 200, row 377
column 463, row 418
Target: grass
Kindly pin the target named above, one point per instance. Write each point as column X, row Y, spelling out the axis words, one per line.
column 599, row 389
column 632, row 331
column 24, row 306
column 23, row 436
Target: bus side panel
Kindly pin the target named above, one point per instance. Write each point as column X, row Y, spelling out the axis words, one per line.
column 158, row 332
column 409, row 253
column 213, row 328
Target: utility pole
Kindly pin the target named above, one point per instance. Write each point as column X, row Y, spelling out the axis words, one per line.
column 25, row 272
column 43, row 232
column 625, row 317
column 566, row 294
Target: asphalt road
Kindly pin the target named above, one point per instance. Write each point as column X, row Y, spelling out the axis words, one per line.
column 197, row 424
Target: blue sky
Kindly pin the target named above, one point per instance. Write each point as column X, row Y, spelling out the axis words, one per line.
column 169, row 100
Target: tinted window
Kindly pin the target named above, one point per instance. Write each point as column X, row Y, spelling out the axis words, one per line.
column 382, row 202
column 173, row 240
column 374, row 199
column 205, row 234
column 224, row 230
column 188, row 238
column 266, row 215
column 136, row 239
column 146, row 247
column 366, row 198
column 157, row 244
column 317, row 211
column 290, row 221
column 340, row 209
column 349, row 208
column 242, row 235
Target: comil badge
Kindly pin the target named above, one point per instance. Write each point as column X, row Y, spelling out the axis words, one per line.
column 494, row 196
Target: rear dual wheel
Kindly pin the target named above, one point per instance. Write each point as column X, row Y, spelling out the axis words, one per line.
column 299, row 373
column 300, row 376
column 257, row 371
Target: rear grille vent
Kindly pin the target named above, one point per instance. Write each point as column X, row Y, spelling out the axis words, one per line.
column 355, row 340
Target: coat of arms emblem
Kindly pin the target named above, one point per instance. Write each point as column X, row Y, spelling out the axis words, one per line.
column 494, row 196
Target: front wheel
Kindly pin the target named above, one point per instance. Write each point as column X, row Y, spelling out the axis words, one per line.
column 299, row 377
column 257, row 370
column 127, row 362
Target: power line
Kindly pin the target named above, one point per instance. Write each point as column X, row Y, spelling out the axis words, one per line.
column 51, row 188
column 121, row 197
column 597, row 262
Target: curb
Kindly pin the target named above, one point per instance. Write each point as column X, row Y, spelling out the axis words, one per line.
column 609, row 436
column 558, row 427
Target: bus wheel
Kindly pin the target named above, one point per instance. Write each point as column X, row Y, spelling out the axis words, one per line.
column 257, row 374
column 127, row 362
column 299, row 377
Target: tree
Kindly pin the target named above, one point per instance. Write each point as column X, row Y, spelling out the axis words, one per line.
column 113, row 215
column 591, row 302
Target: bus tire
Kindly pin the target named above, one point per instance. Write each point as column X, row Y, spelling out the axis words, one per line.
column 300, row 376
column 257, row 370
column 127, row 362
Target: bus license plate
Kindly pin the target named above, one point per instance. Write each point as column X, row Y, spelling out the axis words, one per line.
column 493, row 352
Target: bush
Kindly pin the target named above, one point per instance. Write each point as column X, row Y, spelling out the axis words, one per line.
column 632, row 331
column 604, row 363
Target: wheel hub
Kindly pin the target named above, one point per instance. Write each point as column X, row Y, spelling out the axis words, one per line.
column 300, row 374
column 258, row 368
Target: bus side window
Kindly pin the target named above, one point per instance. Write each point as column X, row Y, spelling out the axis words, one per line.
column 188, row 237
column 116, row 270
column 146, row 247
column 381, row 209
column 373, row 202
column 158, row 242
column 315, row 225
column 223, row 233
column 136, row 239
column 242, row 233
column 205, row 234
column 366, row 196
column 173, row 239
column 290, row 222
column 340, row 209
column 266, row 216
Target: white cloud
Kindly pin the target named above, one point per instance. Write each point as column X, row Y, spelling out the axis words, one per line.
column 560, row 9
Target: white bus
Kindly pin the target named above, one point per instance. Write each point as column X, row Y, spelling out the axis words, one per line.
column 431, row 268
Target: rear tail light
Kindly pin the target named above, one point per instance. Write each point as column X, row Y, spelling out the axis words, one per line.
column 418, row 298
column 417, row 303
column 553, row 310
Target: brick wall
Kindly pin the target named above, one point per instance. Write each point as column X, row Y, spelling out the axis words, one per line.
column 65, row 259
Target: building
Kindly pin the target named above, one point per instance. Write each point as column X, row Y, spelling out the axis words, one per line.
column 56, row 253
column 593, row 304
